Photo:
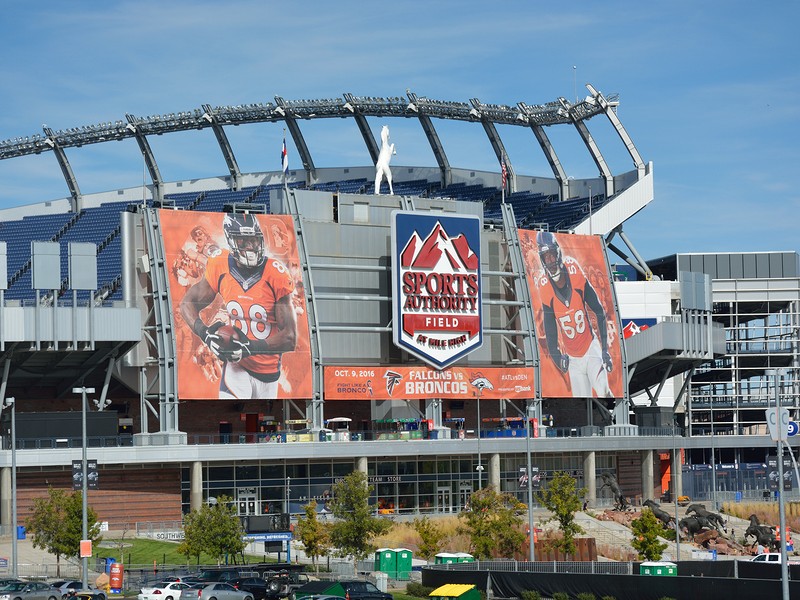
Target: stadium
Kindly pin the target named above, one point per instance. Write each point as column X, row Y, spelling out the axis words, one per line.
column 413, row 339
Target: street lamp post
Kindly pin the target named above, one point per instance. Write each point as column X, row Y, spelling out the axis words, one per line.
column 530, row 483
column 10, row 403
column 84, row 485
column 479, row 468
column 675, row 466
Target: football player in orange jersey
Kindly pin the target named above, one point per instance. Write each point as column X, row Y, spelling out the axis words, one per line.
column 572, row 342
column 256, row 292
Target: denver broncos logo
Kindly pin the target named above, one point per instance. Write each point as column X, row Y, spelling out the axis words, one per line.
column 480, row 383
column 392, row 379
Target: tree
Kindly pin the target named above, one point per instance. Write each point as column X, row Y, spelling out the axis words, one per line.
column 646, row 530
column 354, row 524
column 493, row 523
column 56, row 524
column 313, row 534
column 430, row 535
column 214, row 529
column 563, row 500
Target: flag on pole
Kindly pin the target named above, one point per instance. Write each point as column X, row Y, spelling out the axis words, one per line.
column 284, row 158
column 504, row 173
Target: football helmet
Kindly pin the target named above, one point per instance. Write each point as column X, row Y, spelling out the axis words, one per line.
column 245, row 239
column 550, row 255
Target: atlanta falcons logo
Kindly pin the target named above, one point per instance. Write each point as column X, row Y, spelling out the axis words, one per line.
column 392, row 379
column 480, row 383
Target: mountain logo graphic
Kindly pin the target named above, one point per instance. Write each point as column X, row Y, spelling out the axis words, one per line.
column 437, row 285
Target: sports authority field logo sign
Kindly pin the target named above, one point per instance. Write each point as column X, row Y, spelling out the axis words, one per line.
column 436, row 280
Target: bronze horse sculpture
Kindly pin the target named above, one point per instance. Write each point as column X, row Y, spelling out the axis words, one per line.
column 610, row 482
column 659, row 513
column 763, row 534
column 712, row 519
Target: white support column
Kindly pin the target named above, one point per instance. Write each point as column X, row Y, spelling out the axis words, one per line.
column 590, row 476
column 648, row 482
column 5, row 498
column 196, row 486
column 678, row 470
column 493, row 477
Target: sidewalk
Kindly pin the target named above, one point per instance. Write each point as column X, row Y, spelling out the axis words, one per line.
column 33, row 562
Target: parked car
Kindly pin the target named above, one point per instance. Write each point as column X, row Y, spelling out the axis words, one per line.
column 225, row 574
column 363, row 590
column 352, row 589
column 163, row 590
column 282, row 583
column 73, row 585
column 772, row 558
column 216, row 590
column 258, row 586
column 93, row 594
column 29, row 590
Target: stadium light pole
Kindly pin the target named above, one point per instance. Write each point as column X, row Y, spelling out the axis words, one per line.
column 575, row 81
column 84, row 485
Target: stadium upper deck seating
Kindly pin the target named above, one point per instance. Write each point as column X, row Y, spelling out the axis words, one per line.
column 101, row 225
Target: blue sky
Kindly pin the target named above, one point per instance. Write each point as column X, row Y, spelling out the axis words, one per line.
column 708, row 92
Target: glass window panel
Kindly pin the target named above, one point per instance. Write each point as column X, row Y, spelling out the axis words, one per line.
column 220, row 473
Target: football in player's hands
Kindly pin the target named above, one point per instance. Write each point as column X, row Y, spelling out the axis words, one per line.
column 232, row 343
column 228, row 336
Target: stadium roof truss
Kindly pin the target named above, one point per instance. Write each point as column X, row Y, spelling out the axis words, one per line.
column 534, row 116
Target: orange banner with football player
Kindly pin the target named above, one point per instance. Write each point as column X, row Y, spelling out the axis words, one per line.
column 421, row 383
column 577, row 327
column 241, row 330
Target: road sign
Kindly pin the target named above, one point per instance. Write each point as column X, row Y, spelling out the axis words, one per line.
column 794, row 428
column 779, row 433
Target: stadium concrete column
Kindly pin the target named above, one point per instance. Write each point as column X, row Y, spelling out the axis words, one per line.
column 361, row 464
column 196, row 486
column 5, row 494
column 648, row 483
column 678, row 470
column 493, row 477
column 590, row 476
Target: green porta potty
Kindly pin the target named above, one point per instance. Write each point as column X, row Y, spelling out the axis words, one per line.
column 445, row 558
column 404, row 556
column 456, row 591
column 463, row 557
column 386, row 561
column 661, row 569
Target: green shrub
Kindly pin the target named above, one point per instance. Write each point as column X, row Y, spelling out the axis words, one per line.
column 608, row 598
column 531, row 595
column 561, row 596
column 586, row 596
column 669, row 534
column 417, row 589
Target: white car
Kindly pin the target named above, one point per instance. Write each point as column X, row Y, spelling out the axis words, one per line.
column 163, row 590
column 772, row 558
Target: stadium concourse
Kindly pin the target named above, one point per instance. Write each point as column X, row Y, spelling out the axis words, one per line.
column 258, row 336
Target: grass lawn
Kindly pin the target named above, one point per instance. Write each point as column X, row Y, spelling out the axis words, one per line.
column 142, row 551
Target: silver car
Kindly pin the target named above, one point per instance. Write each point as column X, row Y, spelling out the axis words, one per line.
column 29, row 590
column 213, row 591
